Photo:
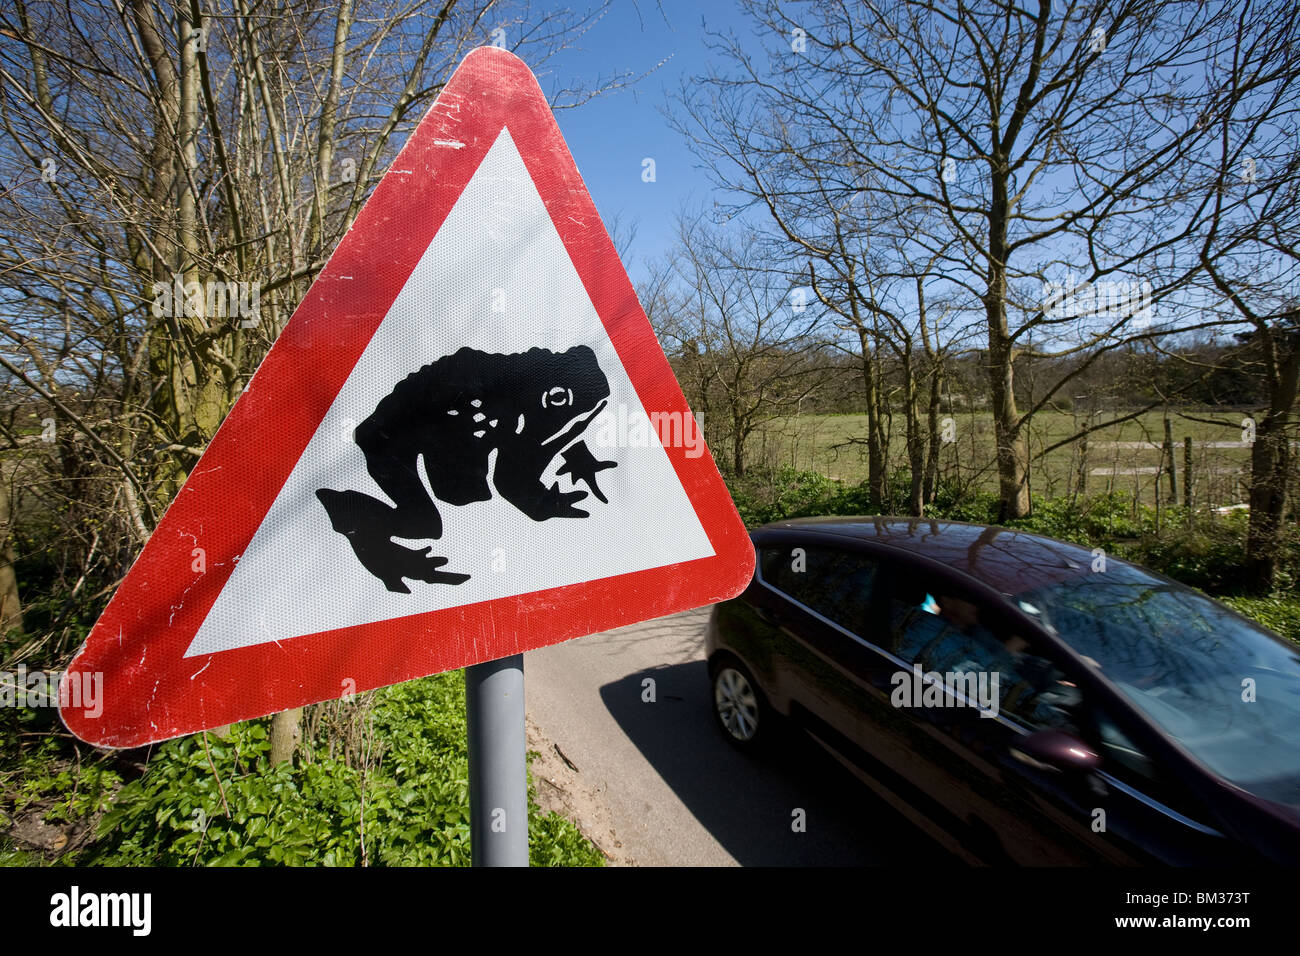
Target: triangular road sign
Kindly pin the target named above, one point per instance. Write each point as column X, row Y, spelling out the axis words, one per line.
column 466, row 443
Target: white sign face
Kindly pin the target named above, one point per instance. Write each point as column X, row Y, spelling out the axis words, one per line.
column 495, row 279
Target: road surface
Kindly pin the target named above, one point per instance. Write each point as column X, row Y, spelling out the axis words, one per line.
column 674, row 793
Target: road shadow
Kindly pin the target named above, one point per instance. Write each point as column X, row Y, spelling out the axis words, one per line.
column 750, row 804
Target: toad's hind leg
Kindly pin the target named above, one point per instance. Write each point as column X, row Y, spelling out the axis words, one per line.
column 370, row 525
column 416, row 514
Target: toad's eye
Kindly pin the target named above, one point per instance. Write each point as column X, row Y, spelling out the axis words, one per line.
column 557, row 397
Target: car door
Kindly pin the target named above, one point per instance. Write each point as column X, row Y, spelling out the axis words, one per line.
column 835, row 673
column 821, row 597
column 1146, row 810
column 976, row 684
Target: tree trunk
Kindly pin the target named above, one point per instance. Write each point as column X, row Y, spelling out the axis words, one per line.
column 328, row 122
column 1013, row 473
column 286, row 730
column 1270, row 463
column 1268, row 469
column 1013, row 461
column 740, row 418
column 915, row 440
column 192, row 397
column 935, row 440
column 875, row 455
column 11, row 610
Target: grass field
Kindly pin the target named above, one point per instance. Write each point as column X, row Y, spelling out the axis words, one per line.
column 1122, row 457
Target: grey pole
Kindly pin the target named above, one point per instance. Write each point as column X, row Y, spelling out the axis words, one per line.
column 498, row 781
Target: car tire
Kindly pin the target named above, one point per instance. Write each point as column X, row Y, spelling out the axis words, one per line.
column 741, row 711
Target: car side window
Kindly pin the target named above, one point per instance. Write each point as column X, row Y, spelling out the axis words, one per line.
column 836, row 584
column 949, row 633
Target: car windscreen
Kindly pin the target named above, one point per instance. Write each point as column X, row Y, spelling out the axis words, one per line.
column 1226, row 690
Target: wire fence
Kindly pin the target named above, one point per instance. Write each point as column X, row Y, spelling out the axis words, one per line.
column 1202, row 460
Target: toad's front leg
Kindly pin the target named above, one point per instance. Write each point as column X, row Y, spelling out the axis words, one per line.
column 517, row 477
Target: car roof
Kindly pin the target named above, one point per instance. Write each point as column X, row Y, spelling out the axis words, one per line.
column 1005, row 559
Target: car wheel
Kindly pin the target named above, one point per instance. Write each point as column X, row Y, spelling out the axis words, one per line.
column 741, row 710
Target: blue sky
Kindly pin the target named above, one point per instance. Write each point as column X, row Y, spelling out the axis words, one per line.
column 611, row 135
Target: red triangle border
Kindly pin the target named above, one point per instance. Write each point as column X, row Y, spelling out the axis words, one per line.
column 151, row 692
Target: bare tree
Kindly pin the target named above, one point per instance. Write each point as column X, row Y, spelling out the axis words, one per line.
column 175, row 173
column 172, row 176
column 1251, row 253
column 746, row 345
column 1039, row 147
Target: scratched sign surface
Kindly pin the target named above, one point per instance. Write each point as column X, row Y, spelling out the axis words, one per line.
column 466, row 443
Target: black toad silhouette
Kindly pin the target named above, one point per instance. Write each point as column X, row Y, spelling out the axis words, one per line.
column 455, row 412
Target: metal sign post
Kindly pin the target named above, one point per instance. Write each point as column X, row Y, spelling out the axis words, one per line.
column 498, row 776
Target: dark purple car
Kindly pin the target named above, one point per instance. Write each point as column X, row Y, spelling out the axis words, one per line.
column 1020, row 698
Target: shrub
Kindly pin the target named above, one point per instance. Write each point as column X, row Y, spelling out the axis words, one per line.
column 953, row 502
column 403, row 801
column 1280, row 613
column 774, row 494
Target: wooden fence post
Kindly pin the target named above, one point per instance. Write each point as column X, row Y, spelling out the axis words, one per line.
column 1168, row 452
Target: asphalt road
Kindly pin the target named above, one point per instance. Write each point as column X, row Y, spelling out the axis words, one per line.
column 676, row 793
